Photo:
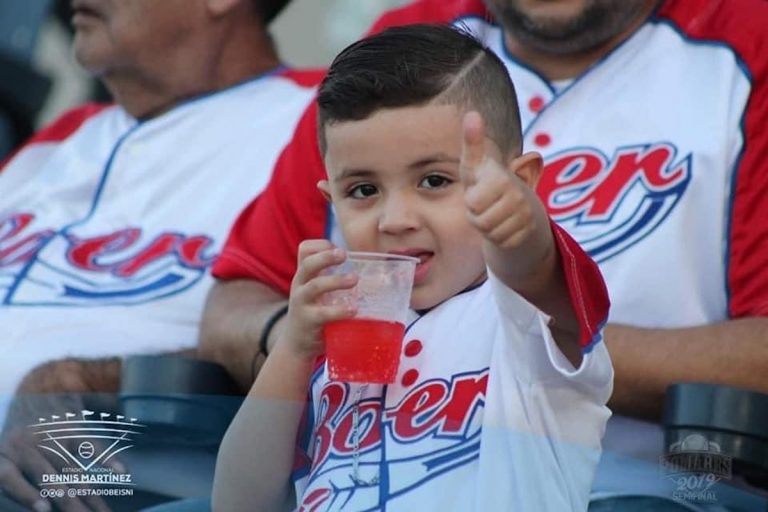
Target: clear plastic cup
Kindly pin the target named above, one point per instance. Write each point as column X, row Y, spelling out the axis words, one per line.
column 367, row 348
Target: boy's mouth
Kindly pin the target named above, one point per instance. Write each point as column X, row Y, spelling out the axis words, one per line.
column 422, row 267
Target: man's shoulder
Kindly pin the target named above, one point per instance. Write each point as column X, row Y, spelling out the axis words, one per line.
column 62, row 127
column 68, row 123
column 739, row 24
column 304, row 77
column 430, row 11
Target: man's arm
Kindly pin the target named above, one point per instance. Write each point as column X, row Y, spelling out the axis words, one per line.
column 235, row 315
column 262, row 248
column 647, row 361
column 73, row 376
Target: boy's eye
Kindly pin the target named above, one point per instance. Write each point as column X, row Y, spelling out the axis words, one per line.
column 434, row 181
column 362, row 191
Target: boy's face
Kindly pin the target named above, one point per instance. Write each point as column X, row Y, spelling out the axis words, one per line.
column 394, row 181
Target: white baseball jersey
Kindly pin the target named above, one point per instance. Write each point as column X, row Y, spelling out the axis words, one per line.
column 485, row 414
column 656, row 161
column 108, row 225
column 647, row 165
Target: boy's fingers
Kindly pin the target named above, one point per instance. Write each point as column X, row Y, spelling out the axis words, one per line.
column 325, row 314
column 308, row 247
column 314, row 263
column 473, row 146
column 328, row 283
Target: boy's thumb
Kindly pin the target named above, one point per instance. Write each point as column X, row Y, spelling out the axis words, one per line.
column 473, row 147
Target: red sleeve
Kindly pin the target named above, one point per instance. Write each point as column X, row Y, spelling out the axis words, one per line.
column 742, row 26
column 586, row 287
column 263, row 242
column 61, row 128
column 748, row 229
column 305, row 77
column 429, row 11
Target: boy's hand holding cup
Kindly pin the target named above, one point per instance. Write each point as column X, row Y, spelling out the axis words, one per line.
column 353, row 307
column 367, row 348
column 306, row 313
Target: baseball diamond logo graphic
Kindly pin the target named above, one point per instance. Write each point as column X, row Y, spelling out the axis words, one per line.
column 84, row 443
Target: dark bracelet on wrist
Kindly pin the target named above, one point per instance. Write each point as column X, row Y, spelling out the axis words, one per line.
column 264, row 339
column 265, row 332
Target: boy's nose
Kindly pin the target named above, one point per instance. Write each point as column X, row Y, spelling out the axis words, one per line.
column 397, row 216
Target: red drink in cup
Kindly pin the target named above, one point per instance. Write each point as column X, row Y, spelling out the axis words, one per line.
column 363, row 349
column 367, row 348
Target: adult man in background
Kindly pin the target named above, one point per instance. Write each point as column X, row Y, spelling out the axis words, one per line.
column 111, row 217
column 648, row 114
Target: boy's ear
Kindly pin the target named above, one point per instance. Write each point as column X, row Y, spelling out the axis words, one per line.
column 528, row 167
column 325, row 188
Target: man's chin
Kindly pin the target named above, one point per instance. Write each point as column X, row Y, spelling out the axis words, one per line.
column 88, row 55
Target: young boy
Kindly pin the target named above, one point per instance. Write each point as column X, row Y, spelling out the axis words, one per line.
column 491, row 410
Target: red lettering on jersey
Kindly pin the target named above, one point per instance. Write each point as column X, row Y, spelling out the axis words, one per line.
column 411, row 419
column 466, row 394
column 331, row 400
column 14, row 224
column 584, row 182
column 435, row 405
column 83, row 253
column 315, row 499
column 101, row 253
column 369, row 419
column 420, row 411
column 191, row 251
column 19, row 251
column 159, row 247
column 569, row 173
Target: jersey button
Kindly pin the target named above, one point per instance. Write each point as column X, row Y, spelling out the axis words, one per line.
column 409, row 378
column 536, row 104
column 413, row 348
column 542, row 139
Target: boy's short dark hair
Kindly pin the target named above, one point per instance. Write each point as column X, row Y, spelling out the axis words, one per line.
column 415, row 65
